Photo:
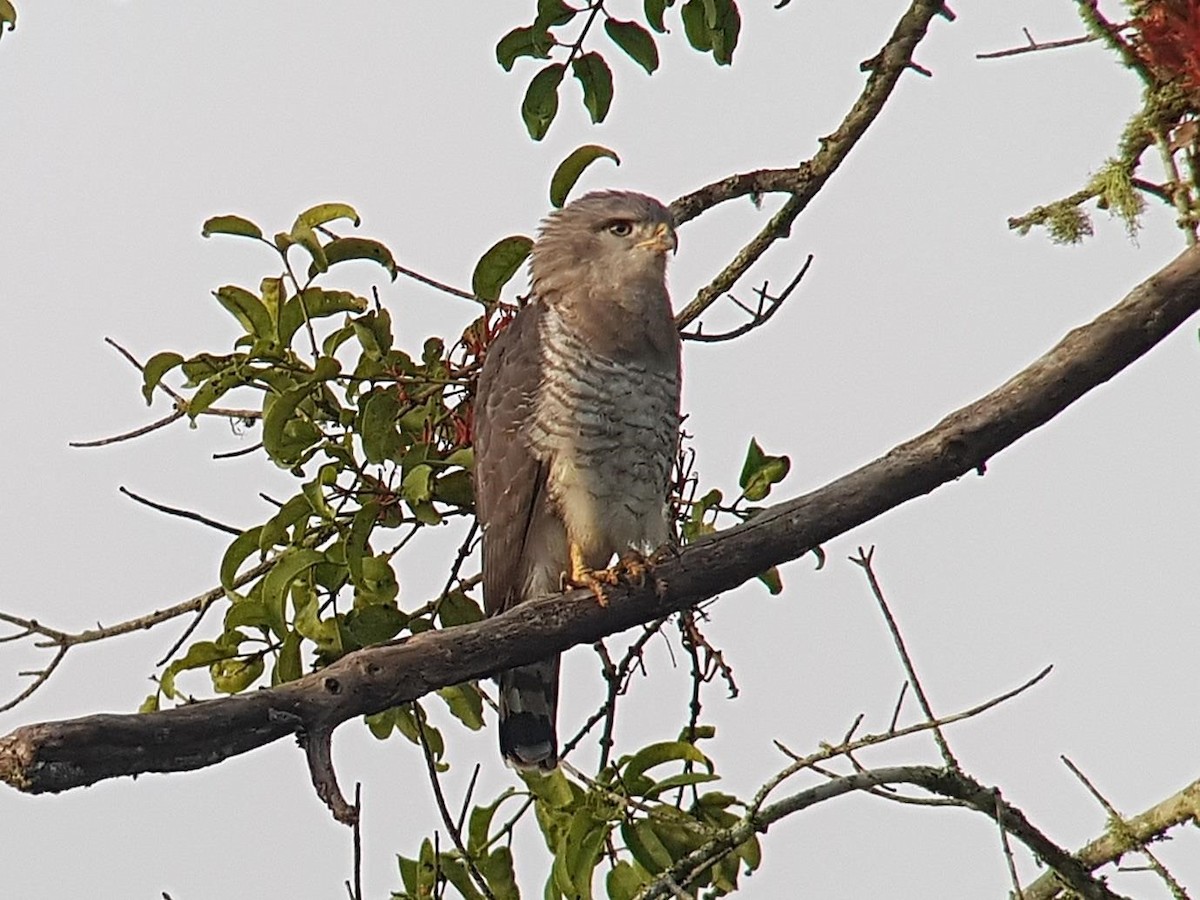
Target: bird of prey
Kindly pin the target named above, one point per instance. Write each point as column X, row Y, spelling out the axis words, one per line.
column 576, row 430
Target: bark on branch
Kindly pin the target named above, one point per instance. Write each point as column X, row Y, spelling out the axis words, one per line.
column 57, row 756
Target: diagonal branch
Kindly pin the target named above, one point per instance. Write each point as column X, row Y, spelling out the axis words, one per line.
column 56, row 756
column 943, row 782
column 804, row 181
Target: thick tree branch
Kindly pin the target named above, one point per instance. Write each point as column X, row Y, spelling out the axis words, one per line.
column 56, row 756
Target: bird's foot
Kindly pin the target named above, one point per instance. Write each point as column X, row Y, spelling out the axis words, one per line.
column 583, row 576
column 633, row 567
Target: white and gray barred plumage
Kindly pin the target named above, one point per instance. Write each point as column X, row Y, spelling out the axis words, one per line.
column 576, row 427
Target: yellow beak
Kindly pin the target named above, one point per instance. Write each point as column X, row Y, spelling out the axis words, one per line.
column 662, row 240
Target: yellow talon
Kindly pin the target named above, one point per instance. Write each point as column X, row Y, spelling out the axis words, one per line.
column 583, row 576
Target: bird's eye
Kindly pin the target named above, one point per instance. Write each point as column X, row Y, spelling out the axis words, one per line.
column 621, row 229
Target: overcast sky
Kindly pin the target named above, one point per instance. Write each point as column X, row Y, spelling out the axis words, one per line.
column 125, row 124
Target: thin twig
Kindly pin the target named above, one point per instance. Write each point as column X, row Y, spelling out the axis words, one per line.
column 1008, row 854
column 800, row 763
column 42, row 676
column 181, row 513
column 768, row 305
column 445, row 288
column 1036, row 46
column 451, row 826
column 166, row 420
column 863, row 560
column 356, row 830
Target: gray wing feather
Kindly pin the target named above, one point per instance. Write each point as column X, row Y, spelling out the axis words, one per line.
column 508, row 478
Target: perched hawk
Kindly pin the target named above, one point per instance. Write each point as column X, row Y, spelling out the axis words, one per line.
column 576, row 424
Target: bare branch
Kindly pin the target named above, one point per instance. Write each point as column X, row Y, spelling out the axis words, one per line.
column 805, row 180
column 61, row 755
column 768, row 305
column 1032, row 46
column 863, row 561
column 166, row 420
column 181, row 513
column 444, row 288
column 454, row 828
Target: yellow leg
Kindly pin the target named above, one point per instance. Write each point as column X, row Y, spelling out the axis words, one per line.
column 583, row 576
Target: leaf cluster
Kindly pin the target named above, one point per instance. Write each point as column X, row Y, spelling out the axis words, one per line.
column 634, row 821
column 710, row 26
column 379, row 440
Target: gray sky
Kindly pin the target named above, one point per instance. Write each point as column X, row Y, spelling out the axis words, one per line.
column 126, row 124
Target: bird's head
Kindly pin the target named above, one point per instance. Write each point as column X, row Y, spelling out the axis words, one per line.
column 607, row 240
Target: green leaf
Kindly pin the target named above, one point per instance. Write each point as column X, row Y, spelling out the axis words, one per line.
column 645, row 846
column 498, row 265
column 274, row 530
column 344, row 248
column 248, row 612
column 236, row 554
column 374, row 333
column 465, row 704
column 712, row 25
column 456, row 489
column 377, row 425
column 540, row 105
column 552, row 13
column 232, row 676
column 327, row 212
column 760, row 472
column 497, row 869
column 303, row 236
column 528, row 41
column 156, row 367
column 572, row 167
column 480, row 823
column 624, row 880
column 286, row 435
column 457, row 608
column 596, row 78
column 683, row 779
column 636, row 41
column 224, row 224
column 289, row 566
column 454, row 870
column 200, row 654
column 318, row 303
column 150, row 704
column 315, row 491
column 772, row 580
column 654, row 13
column 377, row 585
column 382, row 724
column 287, row 666
column 657, row 754
column 248, row 309
column 374, row 624
column 417, row 485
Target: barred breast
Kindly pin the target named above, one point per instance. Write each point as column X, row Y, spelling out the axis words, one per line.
column 607, row 430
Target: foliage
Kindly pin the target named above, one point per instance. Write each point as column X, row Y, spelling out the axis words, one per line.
column 638, row 817
column 710, row 26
